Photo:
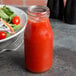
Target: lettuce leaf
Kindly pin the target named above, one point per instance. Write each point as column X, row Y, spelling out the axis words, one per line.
column 7, row 14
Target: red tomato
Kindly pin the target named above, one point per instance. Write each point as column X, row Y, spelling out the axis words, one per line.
column 16, row 20
column 2, row 35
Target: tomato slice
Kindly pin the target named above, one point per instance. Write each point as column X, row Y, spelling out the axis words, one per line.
column 2, row 35
column 16, row 20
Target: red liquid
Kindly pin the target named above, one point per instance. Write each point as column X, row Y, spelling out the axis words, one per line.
column 38, row 42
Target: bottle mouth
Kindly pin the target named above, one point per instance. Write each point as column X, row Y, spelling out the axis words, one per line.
column 37, row 10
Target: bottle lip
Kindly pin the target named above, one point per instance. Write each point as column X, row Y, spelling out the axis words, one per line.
column 37, row 10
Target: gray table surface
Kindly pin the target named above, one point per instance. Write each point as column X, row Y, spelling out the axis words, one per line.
column 64, row 54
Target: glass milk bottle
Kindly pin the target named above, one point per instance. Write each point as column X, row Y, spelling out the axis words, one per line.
column 38, row 40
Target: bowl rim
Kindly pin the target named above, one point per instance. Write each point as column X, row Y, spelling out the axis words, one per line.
column 12, row 36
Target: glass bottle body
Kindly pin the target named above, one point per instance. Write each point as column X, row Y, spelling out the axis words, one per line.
column 38, row 41
column 56, row 8
column 70, row 12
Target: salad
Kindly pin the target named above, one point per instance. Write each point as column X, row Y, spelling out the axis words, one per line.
column 9, row 22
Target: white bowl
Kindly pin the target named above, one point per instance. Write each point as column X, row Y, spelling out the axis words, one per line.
column 23, row 17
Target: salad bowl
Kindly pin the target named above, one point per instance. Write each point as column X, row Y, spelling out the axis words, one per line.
column 4, row 43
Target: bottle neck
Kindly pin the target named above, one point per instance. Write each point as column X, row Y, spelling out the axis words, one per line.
column 38, row 13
